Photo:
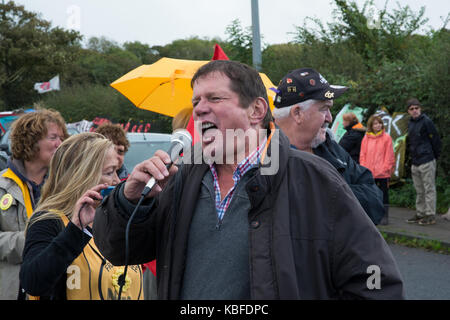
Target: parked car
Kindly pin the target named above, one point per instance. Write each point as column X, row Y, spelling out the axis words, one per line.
column 143, row 146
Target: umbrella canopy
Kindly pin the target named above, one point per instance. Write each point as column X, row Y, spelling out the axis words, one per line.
column 165, row 86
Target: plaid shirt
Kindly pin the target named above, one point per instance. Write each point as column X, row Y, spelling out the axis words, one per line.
column 252, row 160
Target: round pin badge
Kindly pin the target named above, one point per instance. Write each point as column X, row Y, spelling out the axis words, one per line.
column 6, row 201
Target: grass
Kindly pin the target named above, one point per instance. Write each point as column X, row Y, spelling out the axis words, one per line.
column 430, row 245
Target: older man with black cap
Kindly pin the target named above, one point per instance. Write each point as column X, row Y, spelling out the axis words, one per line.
column 303, row 103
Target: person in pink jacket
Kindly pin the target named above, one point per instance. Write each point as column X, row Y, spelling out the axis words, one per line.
column 377, row 155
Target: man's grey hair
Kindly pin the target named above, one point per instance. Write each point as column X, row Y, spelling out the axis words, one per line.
column 280, row 113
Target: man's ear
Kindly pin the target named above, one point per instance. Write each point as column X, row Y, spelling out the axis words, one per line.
column 258, row 110
column 297, row 114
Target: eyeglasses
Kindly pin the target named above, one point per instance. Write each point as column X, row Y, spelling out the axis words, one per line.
column 413, row 108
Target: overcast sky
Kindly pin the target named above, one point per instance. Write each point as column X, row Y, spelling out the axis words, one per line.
column 159, row 22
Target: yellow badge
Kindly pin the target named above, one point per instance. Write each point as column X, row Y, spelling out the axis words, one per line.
column 6, row 201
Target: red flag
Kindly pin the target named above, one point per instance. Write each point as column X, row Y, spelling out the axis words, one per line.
column 150, row 265
column 219, row 54
column 190, row 128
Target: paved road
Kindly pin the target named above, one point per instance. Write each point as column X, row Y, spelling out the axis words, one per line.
column 426, row 274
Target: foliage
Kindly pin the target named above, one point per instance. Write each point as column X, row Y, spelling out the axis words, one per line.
column 274, row 67
column 374, row 43
column 193, row 48
column 104, row 68
column 142, row 51
column 404, row 195
column 412, row 242
column 30, row 51
column 240, row 42
column 80, row 102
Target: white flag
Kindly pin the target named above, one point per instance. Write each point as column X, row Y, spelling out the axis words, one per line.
column 43, row 87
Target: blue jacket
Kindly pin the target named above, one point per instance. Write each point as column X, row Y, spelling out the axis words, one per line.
column 359, row 178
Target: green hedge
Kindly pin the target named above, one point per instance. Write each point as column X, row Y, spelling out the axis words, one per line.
column 403, row 195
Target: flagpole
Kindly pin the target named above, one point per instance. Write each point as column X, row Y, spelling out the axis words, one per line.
column 256, row 36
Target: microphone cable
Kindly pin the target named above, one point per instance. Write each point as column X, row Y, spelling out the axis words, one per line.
column 122, row 278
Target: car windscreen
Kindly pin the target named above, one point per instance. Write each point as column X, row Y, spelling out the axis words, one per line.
column 142, row 150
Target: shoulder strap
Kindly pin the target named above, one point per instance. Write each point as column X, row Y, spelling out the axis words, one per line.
column 23, row 187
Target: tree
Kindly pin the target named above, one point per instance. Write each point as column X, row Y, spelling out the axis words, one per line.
column 240, row 42
column 30, row 51
column 102, row 62
column 144, row 52
column 374, row 43
column 102, row 45
column 192, row 48
column 279, row 59
column 87, row 101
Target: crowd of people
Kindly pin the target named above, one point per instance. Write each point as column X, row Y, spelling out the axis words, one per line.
column 218, row 228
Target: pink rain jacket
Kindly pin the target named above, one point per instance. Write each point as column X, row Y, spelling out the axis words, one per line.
column 377, row 154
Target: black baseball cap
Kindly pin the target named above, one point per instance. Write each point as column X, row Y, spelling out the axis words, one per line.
column 304, row 84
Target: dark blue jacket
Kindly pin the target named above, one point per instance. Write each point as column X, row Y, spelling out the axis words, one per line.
column 359, row 178
column 424, row 141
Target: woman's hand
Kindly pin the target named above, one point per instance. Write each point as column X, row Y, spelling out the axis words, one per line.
column 85, row 206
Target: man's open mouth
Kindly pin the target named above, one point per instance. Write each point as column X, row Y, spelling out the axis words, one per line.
column 208, row 125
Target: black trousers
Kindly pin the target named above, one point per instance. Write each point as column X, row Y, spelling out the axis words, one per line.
column 383, row 184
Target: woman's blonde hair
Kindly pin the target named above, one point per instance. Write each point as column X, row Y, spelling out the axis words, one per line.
column 75, row 167
column 181, row 119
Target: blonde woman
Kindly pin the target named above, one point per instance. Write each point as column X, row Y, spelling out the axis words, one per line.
column 60, row 259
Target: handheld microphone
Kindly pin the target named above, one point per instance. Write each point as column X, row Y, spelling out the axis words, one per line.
column 181, row 140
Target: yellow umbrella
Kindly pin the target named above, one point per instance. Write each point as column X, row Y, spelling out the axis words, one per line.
column 165, row 86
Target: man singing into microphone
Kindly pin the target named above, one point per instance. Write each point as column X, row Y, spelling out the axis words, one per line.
column 227, row 227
